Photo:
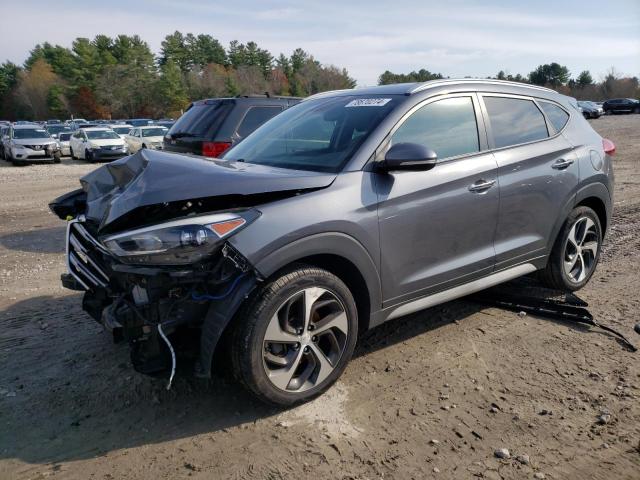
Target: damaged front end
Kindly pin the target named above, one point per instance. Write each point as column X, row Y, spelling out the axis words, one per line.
column 147, row 241
column 144, row 302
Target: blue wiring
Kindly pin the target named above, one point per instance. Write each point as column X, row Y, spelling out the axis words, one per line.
column 231, row 288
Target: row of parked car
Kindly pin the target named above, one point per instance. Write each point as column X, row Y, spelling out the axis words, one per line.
column 615, row 105
column 25, row 142
column 208, row 127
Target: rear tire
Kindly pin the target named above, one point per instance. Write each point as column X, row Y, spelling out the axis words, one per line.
column 575, row 253
column 293, row 339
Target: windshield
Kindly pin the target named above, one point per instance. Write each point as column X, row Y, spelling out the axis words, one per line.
column 121, row 130
column 101, row 134
column 57, row 128
column 153, row 132
column 30, row 133
column 319, row 135
column 65, row 137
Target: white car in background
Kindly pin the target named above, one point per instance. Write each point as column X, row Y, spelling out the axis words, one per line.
column 146, row 137
column 121, row 129
column 26, row 143
column 64, row 143
column 96, row 144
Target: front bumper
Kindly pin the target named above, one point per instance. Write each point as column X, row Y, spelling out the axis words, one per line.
column 108, row 153
column 132, row 301
column 42, row 153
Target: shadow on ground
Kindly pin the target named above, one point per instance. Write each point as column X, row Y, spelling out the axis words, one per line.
column 41, row 240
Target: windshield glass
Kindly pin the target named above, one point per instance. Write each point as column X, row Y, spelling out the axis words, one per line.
column 65, row 137
column 121, row 130
column 57, row 128
column 101, row 134
column 30, row 133
column 153, row 132
column 319, row 135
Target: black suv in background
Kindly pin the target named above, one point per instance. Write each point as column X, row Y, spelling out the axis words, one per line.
column 620, row 105
column 209, row 127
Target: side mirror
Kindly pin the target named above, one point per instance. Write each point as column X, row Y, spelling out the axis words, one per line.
column 409, row 156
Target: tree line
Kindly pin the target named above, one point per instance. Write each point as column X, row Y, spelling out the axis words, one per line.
column 121, row 78
column 552, row 75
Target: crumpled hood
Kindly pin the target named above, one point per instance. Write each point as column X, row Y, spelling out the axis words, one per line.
column 154, row 178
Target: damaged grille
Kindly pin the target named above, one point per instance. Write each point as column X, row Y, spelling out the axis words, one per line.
column 82, row 257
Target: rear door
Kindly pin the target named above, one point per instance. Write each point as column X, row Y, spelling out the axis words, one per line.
column 537, row 171
column 437, row 226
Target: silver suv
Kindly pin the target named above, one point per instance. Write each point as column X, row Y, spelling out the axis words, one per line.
column 345, row 211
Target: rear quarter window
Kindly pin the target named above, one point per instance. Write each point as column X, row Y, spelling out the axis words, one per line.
column 515, row 121
column 255, row 117
column 556, row 115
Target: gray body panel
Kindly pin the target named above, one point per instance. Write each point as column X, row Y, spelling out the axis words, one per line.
column 431, row 234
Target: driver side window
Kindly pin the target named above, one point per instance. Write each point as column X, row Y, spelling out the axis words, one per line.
column 446, row 126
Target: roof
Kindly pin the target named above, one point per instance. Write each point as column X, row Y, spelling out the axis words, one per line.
column 96, row 129
column 417, row 87
column 29, row 126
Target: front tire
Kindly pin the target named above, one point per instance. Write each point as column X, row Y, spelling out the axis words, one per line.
column 576, row 252
column 294, row 338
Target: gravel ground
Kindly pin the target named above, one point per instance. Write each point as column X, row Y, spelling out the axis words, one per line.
column 458, row 391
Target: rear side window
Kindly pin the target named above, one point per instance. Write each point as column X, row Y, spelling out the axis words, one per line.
column 556, row 115
column 448, row 127
column 515, row 121
column 255, row 117
column 201, row 118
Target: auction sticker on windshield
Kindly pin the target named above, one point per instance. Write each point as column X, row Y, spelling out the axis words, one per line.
column 368, row 102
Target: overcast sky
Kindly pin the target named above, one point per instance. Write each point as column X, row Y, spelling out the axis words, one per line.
column 454, row 37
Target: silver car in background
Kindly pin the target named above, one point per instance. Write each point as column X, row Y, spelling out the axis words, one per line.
column 64, row 145
column 29, row 143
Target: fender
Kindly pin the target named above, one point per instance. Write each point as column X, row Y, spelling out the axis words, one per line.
column 333, row 243
column 600, row 191
column 218, row 316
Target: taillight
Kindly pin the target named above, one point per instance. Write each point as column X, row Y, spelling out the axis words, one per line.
column 609, row 146
column 214, row 149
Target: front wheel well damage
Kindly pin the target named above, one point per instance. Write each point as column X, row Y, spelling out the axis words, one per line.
column 341, row 267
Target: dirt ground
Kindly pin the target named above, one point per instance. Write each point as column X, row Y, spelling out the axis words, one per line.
column 432, row 395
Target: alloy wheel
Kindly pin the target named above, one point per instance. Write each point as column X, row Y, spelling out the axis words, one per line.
column 581, row 250
column 305, row 340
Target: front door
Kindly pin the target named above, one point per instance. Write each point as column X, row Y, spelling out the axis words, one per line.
column 437, row 226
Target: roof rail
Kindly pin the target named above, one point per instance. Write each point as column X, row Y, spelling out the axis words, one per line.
column 267, row 95
column 435, row 83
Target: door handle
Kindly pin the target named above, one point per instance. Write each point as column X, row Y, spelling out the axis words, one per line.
column 562, row 164
column 481, row 186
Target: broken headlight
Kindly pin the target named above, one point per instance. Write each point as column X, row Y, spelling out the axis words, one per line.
column 179, row 242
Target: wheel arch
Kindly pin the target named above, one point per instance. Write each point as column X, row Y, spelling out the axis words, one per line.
column 597, row 197
column 339, row 254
